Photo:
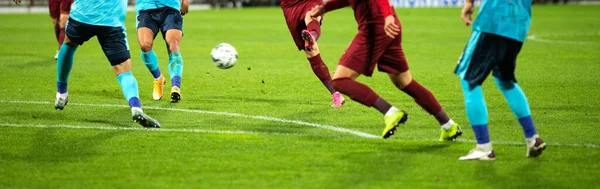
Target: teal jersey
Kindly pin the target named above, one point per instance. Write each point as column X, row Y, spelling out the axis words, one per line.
column 507, row 18
column 100, row 12
column 142, row 5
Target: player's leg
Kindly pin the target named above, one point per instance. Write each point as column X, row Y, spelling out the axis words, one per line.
column 62, row 23
column 345, row 82
column 147, row 30
column 173, row 38
column 424, row 98
column 312, row 32
column 65, row 8
column 520, row 107
column 75, row 34
column 313, row 54
column 64, row 63
column 129, row 86
column 352, row 64
column 477, row 114
column 114, row 44
column 477, row 61
column 295, row 18
column 54, row 10
column 173, row 25
column 403, row 80
column 393, row 62
column 505, row 80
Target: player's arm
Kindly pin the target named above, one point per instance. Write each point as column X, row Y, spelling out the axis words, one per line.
column 390, row 27
column 385, row 7
column 319, row 10
column 185, row 5
column 467, row 12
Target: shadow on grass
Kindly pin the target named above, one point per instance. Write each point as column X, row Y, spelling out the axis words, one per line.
column 49, row 147
column 38, row 61
column 106, row 93
column 48, row 116
column 528, row 175
column 385, row 161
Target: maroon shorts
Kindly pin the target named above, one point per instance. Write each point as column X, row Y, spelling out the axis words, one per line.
column 294, row 17
column 58, row 7
column 372, row 47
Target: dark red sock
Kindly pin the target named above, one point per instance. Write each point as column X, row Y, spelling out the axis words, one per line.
column 360, row 93
column 382, row 105
column 314, row 27
column 61, row 37
column 426, row 100
column 321, row 71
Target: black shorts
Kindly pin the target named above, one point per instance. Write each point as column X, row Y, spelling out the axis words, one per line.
column 112, row 39
column 163, row 19
column 485, row 53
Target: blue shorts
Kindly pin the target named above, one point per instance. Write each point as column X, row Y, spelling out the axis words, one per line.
column 485, row 53
column 163, row 19
column 112, row 39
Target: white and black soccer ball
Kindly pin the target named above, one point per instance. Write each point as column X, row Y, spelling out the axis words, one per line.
column 224, row 55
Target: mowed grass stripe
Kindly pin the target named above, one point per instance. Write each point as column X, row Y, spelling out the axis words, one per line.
column 333, row 128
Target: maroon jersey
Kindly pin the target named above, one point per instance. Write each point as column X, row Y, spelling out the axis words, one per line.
column 291, row 3
column 365, row 11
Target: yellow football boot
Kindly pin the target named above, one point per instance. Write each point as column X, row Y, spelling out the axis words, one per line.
column 392, row 122
column 451, row 133
column 157, row 91
column 175, row 94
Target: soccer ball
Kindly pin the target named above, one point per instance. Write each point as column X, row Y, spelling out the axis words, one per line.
column 224, row 55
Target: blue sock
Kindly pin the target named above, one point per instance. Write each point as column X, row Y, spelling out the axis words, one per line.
column 175, row 68
column 476, row 111
column 64, row 63
column 151, row 62
column 481, row 133
column 518, row 104
column 130, row 89
column 528, row 127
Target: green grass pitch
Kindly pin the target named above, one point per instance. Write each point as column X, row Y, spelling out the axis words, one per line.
column 267, row 122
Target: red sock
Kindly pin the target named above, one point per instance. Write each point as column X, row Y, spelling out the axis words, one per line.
column 315, row 28
column 321, row 71
column 358, row 92
column 426, row 100
column 61, row 37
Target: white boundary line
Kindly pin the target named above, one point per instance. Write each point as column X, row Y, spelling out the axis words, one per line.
column 327, row 127
column 297, row 122
column 536, row 38
column 150, row 130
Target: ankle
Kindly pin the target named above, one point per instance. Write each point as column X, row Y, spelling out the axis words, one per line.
column 447, row 125
column 391, row 111
column 485, row 147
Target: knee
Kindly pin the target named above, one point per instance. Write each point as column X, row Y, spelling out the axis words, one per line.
column 468, row 88
column 145, row 46
column 308, row 18
column 504, row 85
column 70, row 43
column 401, row 80
column 173, row 46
